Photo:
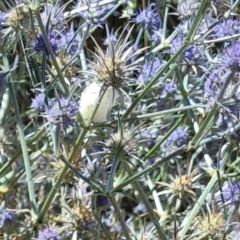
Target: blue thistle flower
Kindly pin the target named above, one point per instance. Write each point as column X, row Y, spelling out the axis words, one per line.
column 231, row 193
column 149, row 17
column 63, row 113
column 230, row 59
column 149, row 70
column 8, row 221
column 177, row 138
column 168, row 89
column 48, row 233
column 226, row 28
column 40, row 46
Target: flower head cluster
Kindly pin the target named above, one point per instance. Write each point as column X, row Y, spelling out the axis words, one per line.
column 63, row 113
column 177, row 138
column 40, row 46
column 149, row 17
column 149, row 70
column 48, row 233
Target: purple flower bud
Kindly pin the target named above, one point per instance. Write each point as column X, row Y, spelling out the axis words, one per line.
column 48, row 233
column 102, row 201
column 40, row 46
column 149, row 17
column 8, row 219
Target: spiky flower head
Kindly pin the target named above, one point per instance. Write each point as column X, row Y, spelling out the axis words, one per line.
column 48, row 233
column 18, row 17
column 122, row 142
column 113, row 67
column 62, row 113
column 40, row 46
column 149, row 17
column 210, row 226
column 181, row 191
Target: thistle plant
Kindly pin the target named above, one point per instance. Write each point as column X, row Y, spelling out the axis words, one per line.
column 119, row 119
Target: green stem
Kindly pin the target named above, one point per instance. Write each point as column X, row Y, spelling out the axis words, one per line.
column 119, row 216
column 26, row 158
column 144, row 199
